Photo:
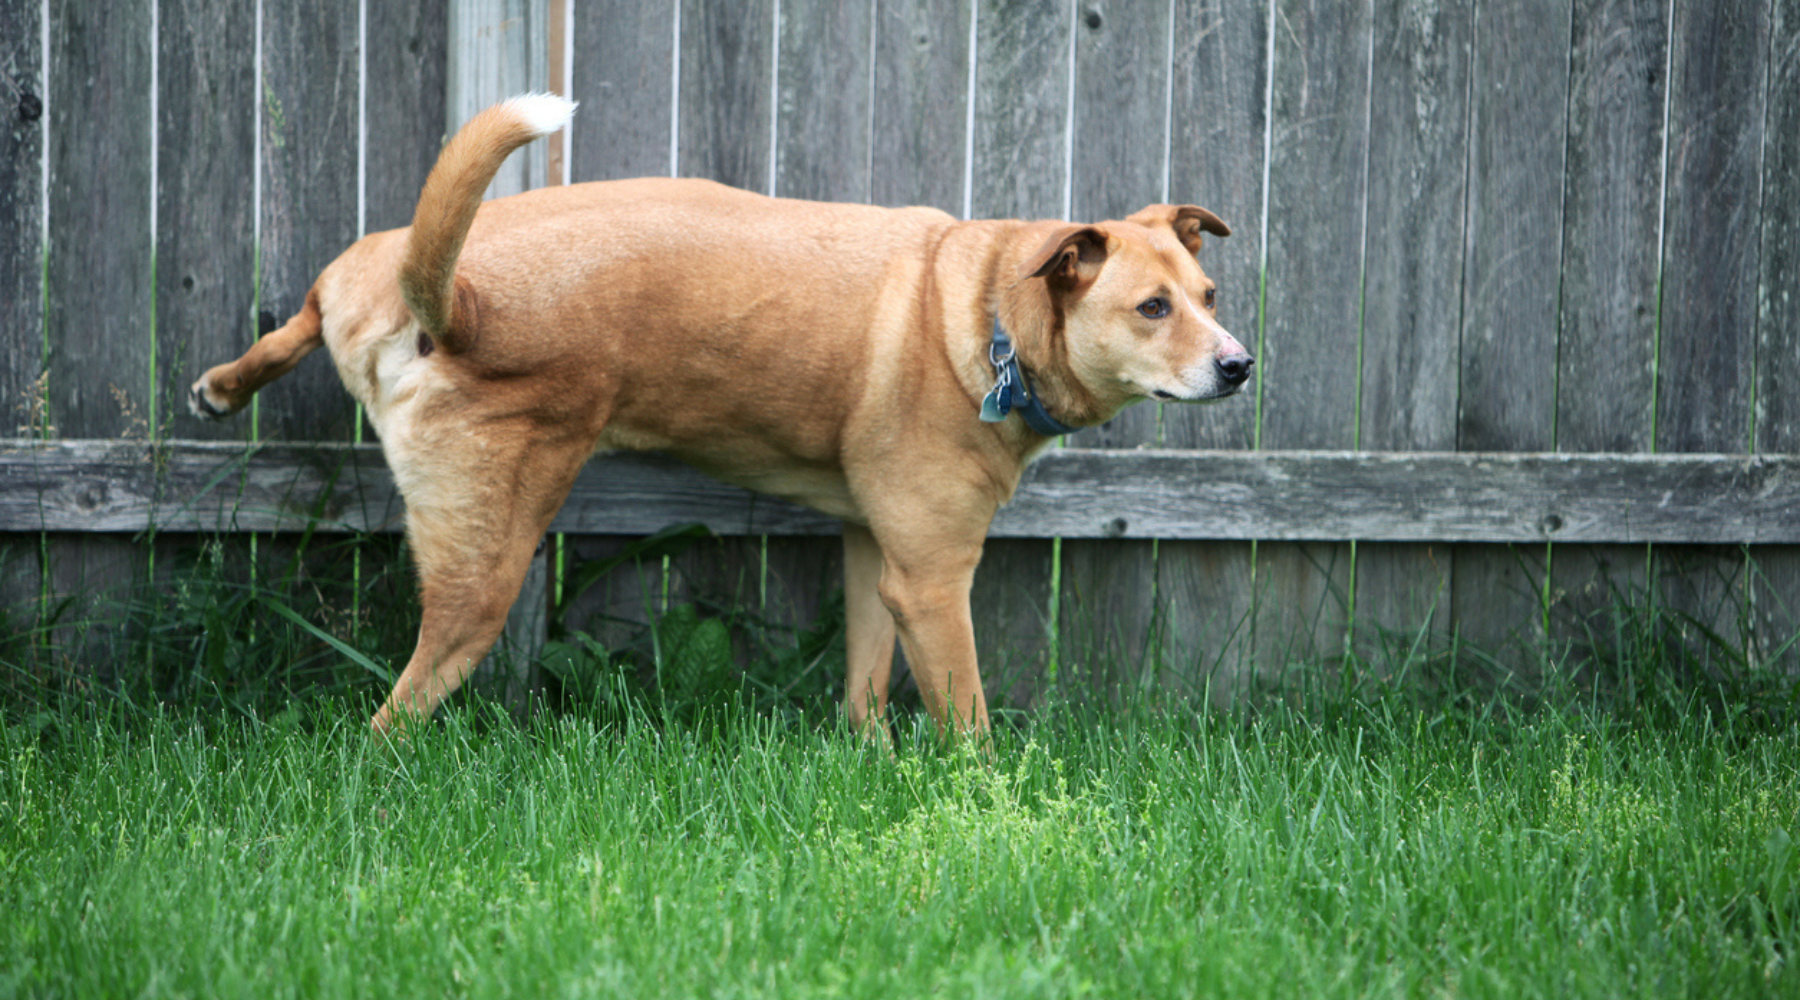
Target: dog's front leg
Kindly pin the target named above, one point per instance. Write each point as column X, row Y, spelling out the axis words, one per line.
column 925, row 583
column 868, row 634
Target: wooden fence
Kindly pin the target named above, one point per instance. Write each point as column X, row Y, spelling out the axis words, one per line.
column 1520, row 277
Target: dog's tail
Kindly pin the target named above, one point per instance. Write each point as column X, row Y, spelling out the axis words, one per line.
column 448, row 203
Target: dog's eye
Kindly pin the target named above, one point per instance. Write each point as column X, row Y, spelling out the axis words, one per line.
column 1155, row 308
column 1212, row 298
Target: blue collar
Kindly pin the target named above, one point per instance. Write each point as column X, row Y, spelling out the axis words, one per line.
column 1012, row 390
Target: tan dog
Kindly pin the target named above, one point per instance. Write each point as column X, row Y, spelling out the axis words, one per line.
column 837, row 356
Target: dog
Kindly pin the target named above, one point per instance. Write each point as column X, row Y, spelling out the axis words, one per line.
column 895, row 368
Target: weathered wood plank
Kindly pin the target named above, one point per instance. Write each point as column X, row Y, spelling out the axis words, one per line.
column 22, row 136
column 920, row 98
column 22, row 129
column 822, row 126
column 311, row 81
column 405, row 105
column 1711, row 253
column 98, row 282
column 123, row 486
column 1021, row 109
column 1019, row 168
column 1317, row 195
column 1217, row 126
column 623, row 76
column 1412, row 286
column 1512, row 261
column 1118, row 163
column 205, row 208
column 499, row 48
column 1605, row 388
column 727, row 55
column 1775, row 598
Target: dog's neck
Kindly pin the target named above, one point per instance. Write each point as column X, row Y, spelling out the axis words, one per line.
column 1035, row 324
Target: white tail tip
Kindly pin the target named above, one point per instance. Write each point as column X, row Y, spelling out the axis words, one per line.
column 542, row 113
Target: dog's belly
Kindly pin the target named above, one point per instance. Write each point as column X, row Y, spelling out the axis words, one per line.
column 754, row 465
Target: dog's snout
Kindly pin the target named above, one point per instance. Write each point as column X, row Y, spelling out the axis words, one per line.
column 1234, row 368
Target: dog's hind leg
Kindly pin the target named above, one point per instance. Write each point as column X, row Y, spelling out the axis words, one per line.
column 473, row 529
column 227, row 388
column 869, row 633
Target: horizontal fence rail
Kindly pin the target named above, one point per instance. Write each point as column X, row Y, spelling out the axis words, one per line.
column 186, row 486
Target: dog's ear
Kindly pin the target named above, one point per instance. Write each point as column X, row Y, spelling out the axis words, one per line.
column 1187, row 221
column 1070, row 257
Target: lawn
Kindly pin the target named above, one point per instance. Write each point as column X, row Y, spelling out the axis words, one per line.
column 1383, row 851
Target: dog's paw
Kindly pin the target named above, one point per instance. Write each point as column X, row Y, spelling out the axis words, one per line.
column 203, row 406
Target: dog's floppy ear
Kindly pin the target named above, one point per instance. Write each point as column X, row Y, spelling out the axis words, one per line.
column 1187, row 221
column 1071, row 256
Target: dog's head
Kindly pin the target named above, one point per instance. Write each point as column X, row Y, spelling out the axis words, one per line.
column 1133, row 314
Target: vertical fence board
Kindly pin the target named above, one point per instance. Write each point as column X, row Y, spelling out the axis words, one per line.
column 499, row 48
column 1021, row 107
column 1710, row 274
column 205, row 209
column 1605, row 388
column 1317, row 190
column 1518, row 121
column 405, row 106
column 309, row 208
column 21, row 275
column 1119, row 154
column 1776, row 593
column 623, row 77
column 98, row 281
column 1217, row 127
column 726, row 56
column 1412, row 288
column 920, row 103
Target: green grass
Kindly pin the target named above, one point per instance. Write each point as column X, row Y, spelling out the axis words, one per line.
column 204, row 814
column 1384, row 853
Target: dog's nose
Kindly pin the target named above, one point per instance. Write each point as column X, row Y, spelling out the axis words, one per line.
column 1235, row 368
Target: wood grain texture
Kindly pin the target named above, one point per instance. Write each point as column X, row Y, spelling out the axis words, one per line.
column 21, row 275
column 405, row 106
column 21, row 210
column 1021, row 109
column 822, row 125
column 920, row 103
column 1317, row 194
column 1711, row 268
column 205, row 208
column 499, row 48
column 1606, row 338
column 727, row 60
column 311, row 82
column 1118, row 163
column 1412, row 286
column 98, row 286
column 98, row 273
column 1019, row 169
column 1219, row 78
column 123, row 486
column 1511, row 266
column 623, row 76
column 1775, row 596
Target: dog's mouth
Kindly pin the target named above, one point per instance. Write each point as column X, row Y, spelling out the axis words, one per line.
column 1168, row 397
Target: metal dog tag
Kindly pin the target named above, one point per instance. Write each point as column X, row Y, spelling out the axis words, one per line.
column 998, row 402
